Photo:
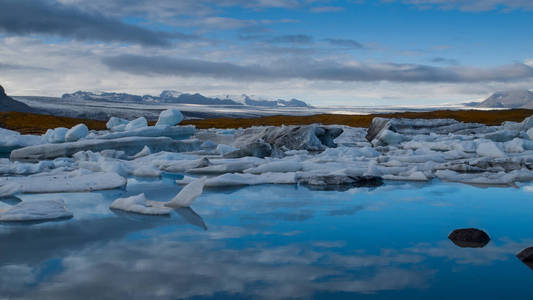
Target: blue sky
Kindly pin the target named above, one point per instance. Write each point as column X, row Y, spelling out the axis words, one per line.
column 388, row 52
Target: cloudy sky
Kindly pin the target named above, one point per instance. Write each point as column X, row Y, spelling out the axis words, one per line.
column 327, row 52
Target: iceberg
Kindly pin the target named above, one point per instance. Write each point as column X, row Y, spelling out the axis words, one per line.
column 61, row 182
column 130, row 145
column 140, row 205
column 114, row 123
column 10, row 140
column 77, row 132
column 310, row 137
column 188, row 194
column 237, row 179
column 56, row 135
column 175, row 132
column 169, row 117
column 43, row 210
column 136, row 124
column 276, row 167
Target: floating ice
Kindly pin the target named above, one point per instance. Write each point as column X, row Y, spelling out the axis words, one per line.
column 489, row 149
column 114, row 123
column 177, row 132
column 56, row 135
column 144, row 152
column 236, row 179
column 139, row 204
column 231, row 167
column 225, row 149
column 276, row 167
column 41, row 210
column 59, row 182
column 188, row 194
column 10, row 140
column 137, row 124
column 530, row 133
column 170, row 117
column 183, row 165
column 310, row 137
column 77, row 132
column 130, row 145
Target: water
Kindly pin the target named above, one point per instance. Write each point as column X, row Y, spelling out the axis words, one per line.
column 276, row 242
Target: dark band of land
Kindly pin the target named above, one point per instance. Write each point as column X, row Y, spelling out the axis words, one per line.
column 29, row 123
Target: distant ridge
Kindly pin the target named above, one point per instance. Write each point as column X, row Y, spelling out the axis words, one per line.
column 509, row 99
column 169, row 96
column 9, row 104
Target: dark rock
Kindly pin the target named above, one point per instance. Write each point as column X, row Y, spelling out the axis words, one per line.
column 469, row 238
column 339, row 182
column 526, row 256
column 9, row 104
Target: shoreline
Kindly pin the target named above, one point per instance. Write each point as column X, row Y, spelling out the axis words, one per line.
column 31, row 123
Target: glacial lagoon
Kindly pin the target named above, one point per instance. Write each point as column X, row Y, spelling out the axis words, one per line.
column 274, row 242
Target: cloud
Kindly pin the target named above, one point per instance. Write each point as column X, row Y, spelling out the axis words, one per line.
column 316, row 70
column 292, row 39
column 17, row 67
column 25, row 17
column 446, row 61
column 326, row 9
column 345, row 43
column 469, row 5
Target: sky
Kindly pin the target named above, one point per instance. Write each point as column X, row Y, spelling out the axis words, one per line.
column 325, row 52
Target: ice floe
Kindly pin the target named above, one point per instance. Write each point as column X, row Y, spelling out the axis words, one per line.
column 169, row 117
column 188, row 194
column 41, row 210
column 77, row 132
column 58, row 182
column 140, row 205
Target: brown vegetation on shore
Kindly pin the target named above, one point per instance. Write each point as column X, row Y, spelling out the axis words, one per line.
column 29, row 123
column 492, row 117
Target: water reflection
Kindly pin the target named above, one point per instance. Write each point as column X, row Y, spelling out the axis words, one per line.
column 276, row 242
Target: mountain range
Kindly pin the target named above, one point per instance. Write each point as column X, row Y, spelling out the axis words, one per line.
column 169, row 96
column 509, row 99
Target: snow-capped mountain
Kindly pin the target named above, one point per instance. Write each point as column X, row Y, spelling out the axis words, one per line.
column 256, row 101
column 509, row 99
column 170, row 96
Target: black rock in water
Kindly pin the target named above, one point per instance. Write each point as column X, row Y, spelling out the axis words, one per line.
column 9, row 104
column 526, row 256
column 469, row 238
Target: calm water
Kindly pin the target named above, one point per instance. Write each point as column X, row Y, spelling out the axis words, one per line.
column 276, row 242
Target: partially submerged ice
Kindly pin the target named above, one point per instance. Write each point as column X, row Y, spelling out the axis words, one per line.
column 31, row 211
column 169, row 117
column 141, row 205
column 59, row 182
column 130, row 145
column 263, row 141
